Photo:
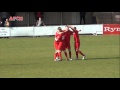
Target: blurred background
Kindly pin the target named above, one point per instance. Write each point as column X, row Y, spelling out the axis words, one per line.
column 63, row 18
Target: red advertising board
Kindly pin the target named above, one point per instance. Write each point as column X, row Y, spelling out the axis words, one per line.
column 111, row 29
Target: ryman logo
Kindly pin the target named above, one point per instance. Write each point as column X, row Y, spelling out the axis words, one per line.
column 111, row 29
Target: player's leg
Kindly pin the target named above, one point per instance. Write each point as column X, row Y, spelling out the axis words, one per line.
column 64, row 46
column 69, row 54
column 56, row 44
column 69, row 50
column 79, row 51
column 56, row 56
column 76, row 54
column 66, row 55
column 60, row 48
column 75, row 47
column 60, row 55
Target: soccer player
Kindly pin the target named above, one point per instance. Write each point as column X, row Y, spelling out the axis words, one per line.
column 77, row 42
column 67, row 40
column 59, row 44
column 56, row 43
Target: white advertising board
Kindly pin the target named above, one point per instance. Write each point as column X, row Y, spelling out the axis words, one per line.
column 22, row 31
column 47, row 30
column 4, row 31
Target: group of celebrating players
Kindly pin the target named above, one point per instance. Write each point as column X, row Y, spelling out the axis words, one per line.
column 62, row 42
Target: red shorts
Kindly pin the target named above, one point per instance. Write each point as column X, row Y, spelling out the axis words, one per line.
column 67, row 45
column 61, row 46
column 56, row 45
column 77, row 45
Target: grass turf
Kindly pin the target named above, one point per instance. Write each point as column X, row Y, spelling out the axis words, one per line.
column 33, row 58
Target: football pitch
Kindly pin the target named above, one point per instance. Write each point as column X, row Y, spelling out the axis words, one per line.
column 33, row 58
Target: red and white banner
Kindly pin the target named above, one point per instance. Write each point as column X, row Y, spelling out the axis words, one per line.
column 111, row 29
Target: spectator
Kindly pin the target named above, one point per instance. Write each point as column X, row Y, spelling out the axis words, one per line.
column 94, row 19
column 7, row 24
column 0, row 23
column 4, row 16
column 42, row 15
column 40, row 23
column 37, row 15
column 12, row 14
column 82, row 17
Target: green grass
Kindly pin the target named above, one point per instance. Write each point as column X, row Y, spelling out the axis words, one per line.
column 33, row 58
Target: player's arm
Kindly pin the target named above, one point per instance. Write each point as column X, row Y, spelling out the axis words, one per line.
column 56, row 36
column 61, row 32
column 70, row 27
column 64, row 30
column 59, row 37
column 56, row 39
column 71, row 32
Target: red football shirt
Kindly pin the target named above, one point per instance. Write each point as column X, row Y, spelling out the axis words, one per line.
column 76, row 35
column 68, row 34
column 61, row 37
column 56, row 35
